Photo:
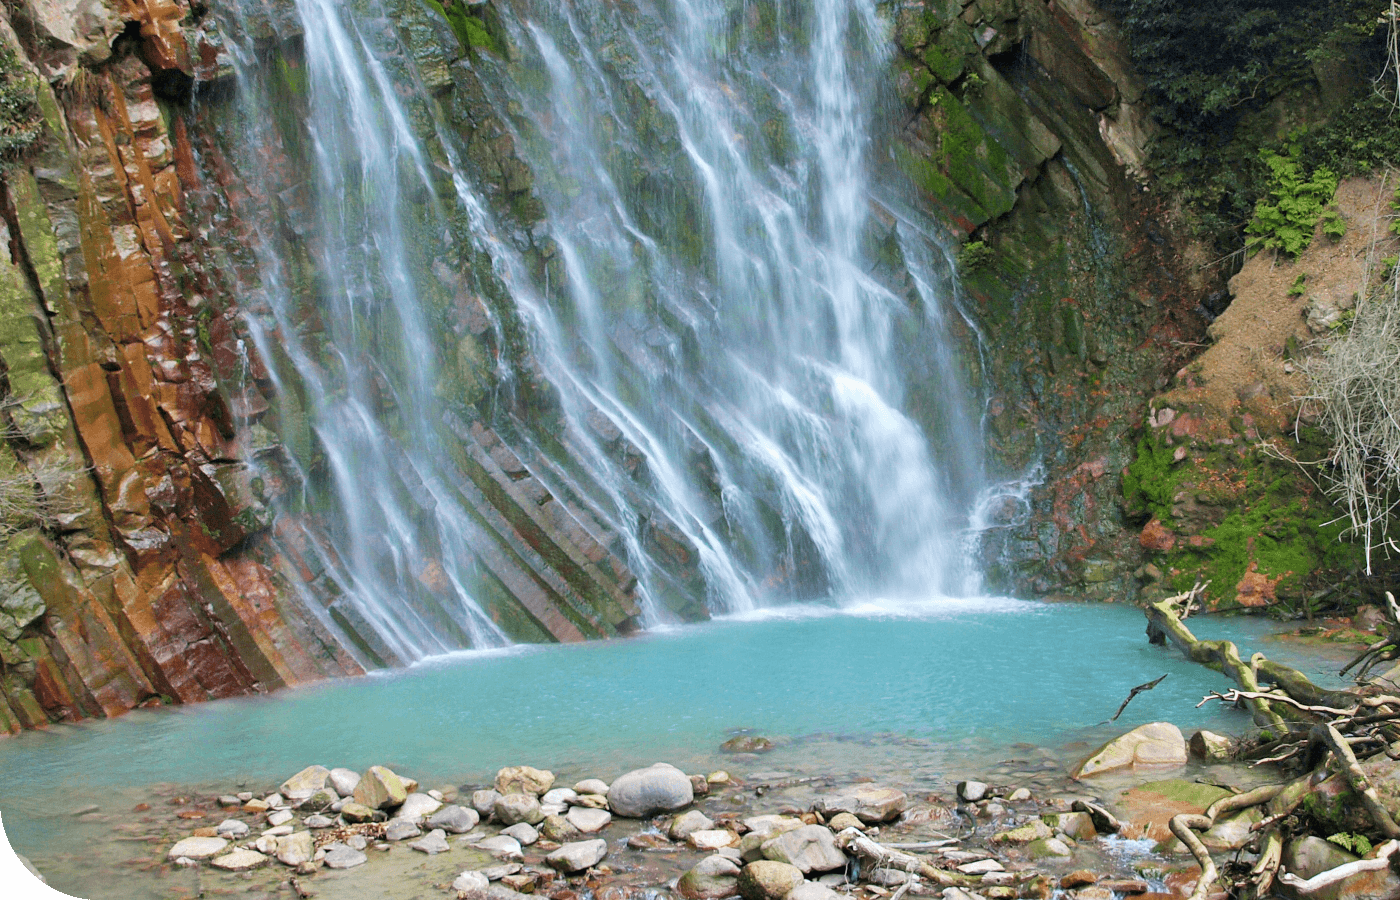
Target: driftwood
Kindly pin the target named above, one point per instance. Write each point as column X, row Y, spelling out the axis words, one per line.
column 1314, row 730
column 881, row 856
column 1129, row 699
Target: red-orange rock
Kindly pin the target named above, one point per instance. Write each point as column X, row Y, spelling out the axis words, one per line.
column 1157, row 537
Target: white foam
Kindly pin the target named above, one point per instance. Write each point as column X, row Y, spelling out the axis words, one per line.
column 934, row 607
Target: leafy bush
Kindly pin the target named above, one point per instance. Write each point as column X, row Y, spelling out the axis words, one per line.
column 1286, row 217
column 974, row 256
column 20, row 120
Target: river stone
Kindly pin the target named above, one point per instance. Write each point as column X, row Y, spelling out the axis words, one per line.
column 339, row 856
column 592, row 786
column 887, row 877
column 1025, row 834
column 278, row 817
column 1078, row 825
column 559, row 797
column 434, row 842
column 770, row 826
column 305, row 783
column 711, row 839
column 497, row 872
column 513, row 808
column 295, row 849
column 239, row 860
column 256, row 806
column 471, row 880
column 417, row 806
column 484, row 802
column 578, row 855
column 401, row 830
column 1047, row 847
column 1155, row 745
column 981, row 867
column 841, row 821
column 198, row 847
column 1212, row 747
column 266, row 845
column 592, row 801
column 523, row 780
column 558, row 829
column 693, row 820
column 492, row 892
column 320, row 801
column 868, row 803
column 357, row 842
column 768, row 880
column 588, row 821
column 343, row 781
column 454, row 819
column 712, row 878
column 811, row 890
column 811, row 848
column 356, row 812
column 502, row 846
column 232, row 829
column 318, row 822
column 645, row 792
column 380, row 788
column 971, row 791
column 523, row 832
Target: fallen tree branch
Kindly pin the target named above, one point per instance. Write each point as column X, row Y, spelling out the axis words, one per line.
column 1341, row 873
column 1357, row 779
column 1129, row 699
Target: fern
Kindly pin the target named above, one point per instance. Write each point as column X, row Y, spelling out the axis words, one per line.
column 1286, row 217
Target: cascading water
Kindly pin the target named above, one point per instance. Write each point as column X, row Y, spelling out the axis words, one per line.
column 730, row 294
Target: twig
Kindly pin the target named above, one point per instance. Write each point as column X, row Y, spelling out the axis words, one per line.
column 1129, row 699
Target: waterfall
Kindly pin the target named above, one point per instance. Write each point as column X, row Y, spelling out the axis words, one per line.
column 746, row 329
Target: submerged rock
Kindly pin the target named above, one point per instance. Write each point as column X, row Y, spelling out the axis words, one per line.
column 340, row 856
column 198, row 848
column 747, row 743
column 239, row 861
column 646, row 792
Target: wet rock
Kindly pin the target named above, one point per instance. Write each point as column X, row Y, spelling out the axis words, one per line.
column 239, row 861
column 886, row 877
column 711, row 839
column 319, row 801
column 714, row 877
column 278, row 817
column 1020, row 795
column 343, row 781
column 1212, row 747
column 557, row 828
column 1124, row 885
column 1155, row 745
column 470, row 881
column 340, row 856
column 523, row 832
column 578, row 855
column 401, row 830
column 650, row 840
column 811, row 848
column 198, row 848
column 318, row 821
column 747, row 743
column 559, row 797
column 454, row 819
column 523, row 780
column 1025, row 834
column 256, row 806
column 811, row 890
column 841, row 821
column 492, row 892
column 305, row 783
column 770, row 826
column 356, row 812
column 768, row 880
column 588, row 821
column 502, row 846
column 484, row 802
column 683, row 824
column 521, row 881
column 232, row 829
column 646, row 792
column 971, row 791
column 229, row 800
column 417, row 806
column 592, row 786
column 981, row 867
column 380, row 788
column 513, row 808
column 433, row 842
column 1078, row 878
column 1047, row 847
column 295, row 849
column 868, row 803
column 1078, row 825
column 699, row 786
column 496, row 873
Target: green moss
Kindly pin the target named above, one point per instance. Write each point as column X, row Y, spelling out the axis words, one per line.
column 1153, row 479
column 471, row 31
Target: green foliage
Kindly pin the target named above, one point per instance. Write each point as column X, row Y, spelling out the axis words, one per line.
column 471, row 31
column 1333, row 225
column 1354, row 843
column 974, row 256
column 1388, row 267
column 1299, row 287
column 1286, row 217
column 21, row 122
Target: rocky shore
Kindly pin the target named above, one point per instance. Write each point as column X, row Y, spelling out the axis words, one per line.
column 1099, row 834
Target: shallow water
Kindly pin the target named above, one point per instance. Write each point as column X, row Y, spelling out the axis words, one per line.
column 920, row 695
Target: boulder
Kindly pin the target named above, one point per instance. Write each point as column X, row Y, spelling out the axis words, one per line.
column 239, row 861
column 868, row 803
column 305, row 783
column 296, row 848
column 433, row 842
column 484, row 802
column 683, row 824
column 198, row 848
column 343, row 781
column 588, row 821
column 577, row 856
column 454, row 819
column 523, row 780
column 380, row 788
column 417, row 806
column 713, row 878
column 1155, row 745
column 523, row 832
column 645, row 792
column 768, row 880
column 811, row 848
column 513, row 808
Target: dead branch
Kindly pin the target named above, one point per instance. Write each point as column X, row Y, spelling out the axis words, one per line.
column 1129, row 699
column 1341, row 873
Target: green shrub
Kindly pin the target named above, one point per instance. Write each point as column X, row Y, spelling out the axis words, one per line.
column 21, row 122
column 1285, row 218
column 1333, row 225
